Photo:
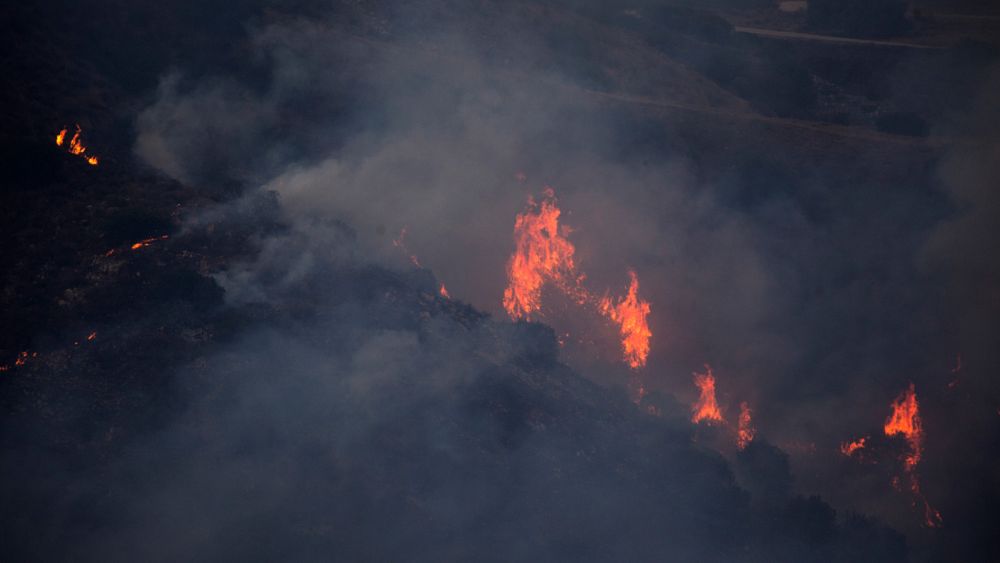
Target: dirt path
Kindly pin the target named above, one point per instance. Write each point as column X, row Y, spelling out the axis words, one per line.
column 828, row 38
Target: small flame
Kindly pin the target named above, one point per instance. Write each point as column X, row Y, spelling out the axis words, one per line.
column 849, row 448
column 444, row 292
column 76, row 145
column 400, row 243
column 746, row 431
column 146, row 242
column 20, row 360
column 542, row 254
column 630, row 313
column 706, row 408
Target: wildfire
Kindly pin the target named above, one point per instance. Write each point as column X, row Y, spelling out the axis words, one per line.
column 706, row 408
column 444, row 292
column 905, row 421
column 848, row 448
column 75, row 145
column 746, row 431
column 630, row 313
column 542, row 254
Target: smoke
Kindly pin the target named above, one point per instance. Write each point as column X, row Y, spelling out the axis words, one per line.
column 809, row 280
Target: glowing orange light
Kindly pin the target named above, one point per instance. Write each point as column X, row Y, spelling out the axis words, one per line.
column 706, row 408
column 905, row 421
column 146, row 242
column 630, row 313
column 848, row 448
column 542, row 254
column 444, row 292
column 75, row 145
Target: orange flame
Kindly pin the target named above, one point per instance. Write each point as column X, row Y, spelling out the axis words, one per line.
column 542, row 254
column 146, row 242
column 905, row 421
column 630, row 314
column 444, row 292
column 746, row 431
column 75, row 145
column 705, row 408
column 848, row 448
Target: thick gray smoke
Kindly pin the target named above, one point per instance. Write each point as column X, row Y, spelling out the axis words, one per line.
column 818, row 291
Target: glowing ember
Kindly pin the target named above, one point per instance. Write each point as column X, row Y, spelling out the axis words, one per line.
column 630, row 313
column 146, row 242
column 706, row 408
column 542, row 254
column 956, row 371
column 400, row 243
column 444, row 292
column 746, row 431
column 932, row 517
column 75, row 145
column 849, row 448
column 19, row 361
column 92, row 336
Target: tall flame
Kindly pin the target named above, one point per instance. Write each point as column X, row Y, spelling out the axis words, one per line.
column 542, row 254
column 746, row 431
column 706, row 408
column 905, row 421
column 60, row 138
column 630, row 313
